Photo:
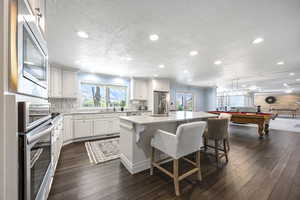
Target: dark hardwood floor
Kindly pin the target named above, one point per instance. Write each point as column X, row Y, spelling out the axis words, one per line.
column 267, row 169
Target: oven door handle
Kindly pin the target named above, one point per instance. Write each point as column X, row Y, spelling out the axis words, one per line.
column 41, row 133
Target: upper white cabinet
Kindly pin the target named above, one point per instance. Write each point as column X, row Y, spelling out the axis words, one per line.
column 160, row 85
column 63, row 83
column 138, row 89
column 55, row 82
column 69, row 84
column 38, row 8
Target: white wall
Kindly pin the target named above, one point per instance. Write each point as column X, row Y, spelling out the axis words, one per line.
column 205, row 98
column 3, row 13
column 210, row 99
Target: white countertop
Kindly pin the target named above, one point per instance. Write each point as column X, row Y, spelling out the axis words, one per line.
column 102, row 112
column 172, row 117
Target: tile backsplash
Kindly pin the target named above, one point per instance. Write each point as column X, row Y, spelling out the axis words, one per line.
column 63, row 105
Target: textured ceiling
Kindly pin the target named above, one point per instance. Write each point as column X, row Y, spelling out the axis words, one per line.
column 218, row 30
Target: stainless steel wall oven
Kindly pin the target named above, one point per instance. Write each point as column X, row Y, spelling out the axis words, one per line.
column 35, row 129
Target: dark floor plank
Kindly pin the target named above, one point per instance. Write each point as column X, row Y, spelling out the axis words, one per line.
column 267, row 169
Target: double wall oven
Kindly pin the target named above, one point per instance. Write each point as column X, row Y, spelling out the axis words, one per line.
column 35, row 129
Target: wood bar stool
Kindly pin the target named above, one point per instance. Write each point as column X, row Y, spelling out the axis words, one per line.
column 228, row 117
column 218, row 132
column 187, row 140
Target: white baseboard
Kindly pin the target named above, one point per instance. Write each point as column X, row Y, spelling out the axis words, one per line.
column 134, row 168
column 90, row 138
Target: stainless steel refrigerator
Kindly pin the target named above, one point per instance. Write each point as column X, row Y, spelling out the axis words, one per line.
column 160, row 103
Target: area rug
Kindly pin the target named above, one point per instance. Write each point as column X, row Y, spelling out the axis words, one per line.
column 100, row 151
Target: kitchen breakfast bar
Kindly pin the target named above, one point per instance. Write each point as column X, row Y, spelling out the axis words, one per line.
column 136, row 133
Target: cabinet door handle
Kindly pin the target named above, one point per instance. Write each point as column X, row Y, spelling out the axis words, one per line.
column 38, row 12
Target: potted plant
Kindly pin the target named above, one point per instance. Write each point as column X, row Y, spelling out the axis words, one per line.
column 122, row 104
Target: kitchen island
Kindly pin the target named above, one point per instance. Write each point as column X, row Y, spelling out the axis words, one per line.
column 136, row 133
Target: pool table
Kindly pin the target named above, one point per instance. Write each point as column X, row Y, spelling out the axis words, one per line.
column 261, row 119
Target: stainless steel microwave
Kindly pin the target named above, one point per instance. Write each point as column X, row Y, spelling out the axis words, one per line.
column 28, row 52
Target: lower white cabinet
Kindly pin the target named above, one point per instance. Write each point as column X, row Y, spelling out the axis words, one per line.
column 88, row 125
column 101, row 127
column 68, row 128
column 83, row 128
column 57, row 142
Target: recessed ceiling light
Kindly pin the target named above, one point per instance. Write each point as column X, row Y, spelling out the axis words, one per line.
column 298, row 79
column 280, row 63
column 185, row 71
column 77, row 61
column 253, row 87
column 193, row 53
column 285, row 85
column 153, row 37
column 292, row 74
column 190, row 80
column 161, row 66
column 218, row 62
column 155, row 75
column 244, row 86
column 258, row 40
column 126, row 58
column 82, row 34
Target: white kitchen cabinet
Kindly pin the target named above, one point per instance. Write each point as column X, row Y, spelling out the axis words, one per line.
column 113, row 125
column 57, row 142
column 68, row 128
column 83, row 128
column 101, row 127
column 160, row 85
column 138, row 89
column 69, row 84
column 55, row 82
column 38, row 8
column 63, row 83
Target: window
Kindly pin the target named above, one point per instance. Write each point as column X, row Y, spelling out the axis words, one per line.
column 184, row 101
column 117, row 96
column 103, row 96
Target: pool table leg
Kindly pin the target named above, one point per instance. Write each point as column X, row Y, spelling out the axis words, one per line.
column 267, row 128
column 261, row 130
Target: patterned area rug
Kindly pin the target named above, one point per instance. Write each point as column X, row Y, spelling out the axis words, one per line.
column 103, row 150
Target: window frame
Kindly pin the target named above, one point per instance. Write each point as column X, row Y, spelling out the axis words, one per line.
column 106, row 86
column 185, row 92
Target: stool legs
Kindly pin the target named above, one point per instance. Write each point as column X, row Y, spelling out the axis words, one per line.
column 225, row 149
column 152, row 160
column 198, row 165
column 205, row 143
column 217, row 152
column 176, row 179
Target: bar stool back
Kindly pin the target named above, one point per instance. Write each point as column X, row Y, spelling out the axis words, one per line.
column 187, row 140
